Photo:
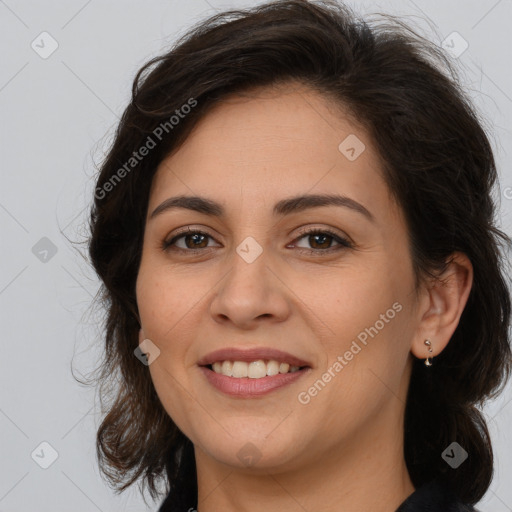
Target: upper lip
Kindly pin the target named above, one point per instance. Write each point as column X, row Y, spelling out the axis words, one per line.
column 251, row 354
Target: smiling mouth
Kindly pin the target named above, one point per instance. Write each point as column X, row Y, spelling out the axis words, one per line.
column 254, row 369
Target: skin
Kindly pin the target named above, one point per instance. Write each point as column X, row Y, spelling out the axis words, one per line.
column 344, row 449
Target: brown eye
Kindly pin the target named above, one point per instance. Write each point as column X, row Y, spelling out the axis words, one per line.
column 321, row 240
column 196, row 240
column 188, row 241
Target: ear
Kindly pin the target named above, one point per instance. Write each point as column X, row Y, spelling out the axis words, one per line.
column 142, row 336
column 441, row 306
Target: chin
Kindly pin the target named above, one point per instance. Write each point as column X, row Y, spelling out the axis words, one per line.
column 252, row 458
column 252, row 446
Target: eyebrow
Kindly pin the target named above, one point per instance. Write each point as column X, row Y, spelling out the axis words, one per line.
column 283, row 207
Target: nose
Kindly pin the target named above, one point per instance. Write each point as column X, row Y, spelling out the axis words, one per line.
column 251, row 292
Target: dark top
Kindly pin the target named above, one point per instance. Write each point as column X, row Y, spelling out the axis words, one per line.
column 431, row 497
column 434, row 497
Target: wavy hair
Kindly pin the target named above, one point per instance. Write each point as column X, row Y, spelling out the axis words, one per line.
column 438, row 164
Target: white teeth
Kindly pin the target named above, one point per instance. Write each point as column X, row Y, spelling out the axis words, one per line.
column 240, row 369
column 227, row 368
column 257, row 369
column 272, row 368
column 253, row 370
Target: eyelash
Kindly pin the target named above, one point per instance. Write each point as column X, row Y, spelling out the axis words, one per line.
column 343, row 242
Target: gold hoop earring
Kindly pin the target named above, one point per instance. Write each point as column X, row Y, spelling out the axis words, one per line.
column 428, row 360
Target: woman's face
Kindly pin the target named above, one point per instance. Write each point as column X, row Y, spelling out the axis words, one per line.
column 339, row 301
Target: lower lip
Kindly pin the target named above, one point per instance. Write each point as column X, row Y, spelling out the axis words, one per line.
column 244, row 387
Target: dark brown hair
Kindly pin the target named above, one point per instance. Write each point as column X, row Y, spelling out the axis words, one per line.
column 438, row 164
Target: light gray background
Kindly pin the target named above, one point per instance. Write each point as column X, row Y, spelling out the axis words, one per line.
column 57, row 118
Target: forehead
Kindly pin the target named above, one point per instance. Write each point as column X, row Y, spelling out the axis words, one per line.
column 269, row 143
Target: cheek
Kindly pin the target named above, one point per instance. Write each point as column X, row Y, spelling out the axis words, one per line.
column 164, row 299
column 168, row 303
column 166, row 312
column 348, row 302
column 363, row 326
column 173, row 392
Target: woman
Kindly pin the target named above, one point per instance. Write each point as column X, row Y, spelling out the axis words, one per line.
column 304, row 288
